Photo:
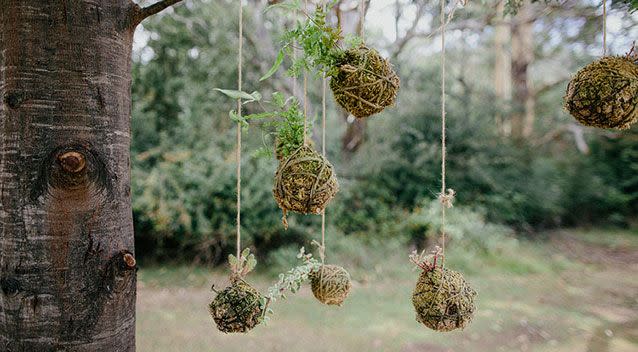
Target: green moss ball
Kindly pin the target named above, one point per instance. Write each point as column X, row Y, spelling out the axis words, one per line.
column 237, row 308
column 604, row 93
column 443, row 300
column 330, row 284
column 365, row 82
column 305, row 182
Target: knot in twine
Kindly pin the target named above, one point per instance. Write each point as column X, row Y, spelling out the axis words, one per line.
column 447, row 198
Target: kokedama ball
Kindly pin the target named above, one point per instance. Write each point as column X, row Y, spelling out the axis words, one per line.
column 237, row 308
column 365, row 83
column 443, row 300
column 605, row 93
column 305, row 182
column 330, row 284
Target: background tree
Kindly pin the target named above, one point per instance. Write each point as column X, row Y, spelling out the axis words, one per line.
column 182, row 184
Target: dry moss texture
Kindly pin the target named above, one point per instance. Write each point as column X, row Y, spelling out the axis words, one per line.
column 237, row 308
column 365, row 83
column 443, row 300
column 330, row 284
column 305, row 182
column 604, row 93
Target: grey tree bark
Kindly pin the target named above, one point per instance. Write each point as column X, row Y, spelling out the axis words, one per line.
column 502, row 63
column 67, row 265
column 522, row 58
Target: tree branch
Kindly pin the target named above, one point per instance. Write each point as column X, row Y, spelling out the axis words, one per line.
column 143, row 13
column 410, row 33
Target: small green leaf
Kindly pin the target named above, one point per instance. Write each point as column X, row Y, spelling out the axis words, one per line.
column 232, row 260
column 275, row 66
column 239, row 119
column 301, row 253
column 256, row 95
column 245, row 253
column 261, row 115
column 236, row 94
column 278, row 99
column 251, row 264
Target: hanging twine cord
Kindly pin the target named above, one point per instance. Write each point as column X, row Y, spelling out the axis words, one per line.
column 362, row 17
column 305, row 107
column 322, row 248
column 239, row 79
column 604, row 27
column 446, row 197
column 305, row 94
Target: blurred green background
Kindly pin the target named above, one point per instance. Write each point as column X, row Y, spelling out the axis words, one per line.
column 545, row 222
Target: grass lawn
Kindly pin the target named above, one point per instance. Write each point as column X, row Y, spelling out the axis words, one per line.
column 577, row 292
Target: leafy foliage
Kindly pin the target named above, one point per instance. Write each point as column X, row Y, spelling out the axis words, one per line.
column 631, row 4
column 291, row 281
column 287, row 120
column 183, row 181
column 318, row 41
column 512, row 6
column 241, row 266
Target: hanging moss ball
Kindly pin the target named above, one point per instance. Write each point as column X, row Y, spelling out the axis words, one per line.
column 365, row 82
column 604, row 93
column 237, row 308
column 305, row 182
column 443, row 300
column 330, row 284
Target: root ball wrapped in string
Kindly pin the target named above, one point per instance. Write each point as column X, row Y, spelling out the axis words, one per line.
column 237, row 308
column 365, row 82
column 305, row 182
column 443, row 300
column 330, row 284
column 604, row 93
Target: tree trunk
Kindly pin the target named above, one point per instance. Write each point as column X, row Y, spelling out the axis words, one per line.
column 502, row 64
column 522, row 57
column 350, row 21
column 67, row 271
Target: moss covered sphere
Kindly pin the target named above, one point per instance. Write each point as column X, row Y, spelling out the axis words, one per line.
column 365, row 82
column 305, row 182
column 330, row 284
column 237, row 308
column 443, row 300
column 604, row 93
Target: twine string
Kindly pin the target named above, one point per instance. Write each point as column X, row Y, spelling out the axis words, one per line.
column 239, row 87
column 305, row 95
column 295, row 14
column 322, row 252
column 445, row 201
column 604, row 27
column 362, row 18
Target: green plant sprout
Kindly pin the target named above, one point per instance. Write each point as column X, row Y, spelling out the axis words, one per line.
column 425, row 261
column 291, row 282
column 240, row 267
column 237, row 308
column 285, row 116
column 317, row 41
